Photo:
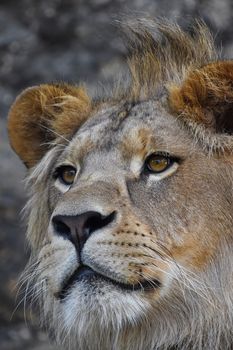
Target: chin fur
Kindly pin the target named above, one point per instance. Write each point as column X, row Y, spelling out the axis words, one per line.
column 191, row 315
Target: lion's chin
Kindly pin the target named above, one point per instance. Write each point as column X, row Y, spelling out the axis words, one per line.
column 90, row 310
column 98, row 299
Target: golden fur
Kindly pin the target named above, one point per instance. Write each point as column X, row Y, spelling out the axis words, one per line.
column 42, row 113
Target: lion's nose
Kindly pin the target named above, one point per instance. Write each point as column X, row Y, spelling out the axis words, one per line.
column 79, row 228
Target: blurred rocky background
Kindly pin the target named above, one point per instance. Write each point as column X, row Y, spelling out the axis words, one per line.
column 70, row 40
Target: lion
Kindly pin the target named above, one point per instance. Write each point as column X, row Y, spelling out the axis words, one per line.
column 130, row 208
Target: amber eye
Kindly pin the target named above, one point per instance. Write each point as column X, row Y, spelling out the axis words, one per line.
column 157, row 163
column 66, row 174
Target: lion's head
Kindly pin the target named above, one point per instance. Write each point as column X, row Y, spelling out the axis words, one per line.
column 130, row 216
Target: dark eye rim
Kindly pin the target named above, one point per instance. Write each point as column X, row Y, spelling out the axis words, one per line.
column 171, row 161
column 58, row 173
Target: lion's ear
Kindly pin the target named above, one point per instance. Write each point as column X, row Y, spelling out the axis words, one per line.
column 206, row 97
column 41, row 114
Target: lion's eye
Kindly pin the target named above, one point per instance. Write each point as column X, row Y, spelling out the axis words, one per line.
column 157, row 163
column 66, row 174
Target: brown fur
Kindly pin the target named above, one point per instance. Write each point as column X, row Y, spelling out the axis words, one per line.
column 137, row 145
column 42, row 114
column 206, row 96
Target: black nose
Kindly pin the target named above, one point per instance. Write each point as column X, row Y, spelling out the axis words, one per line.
column 79, row 228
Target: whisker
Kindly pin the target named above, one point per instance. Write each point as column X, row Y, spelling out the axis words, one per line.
column 147, row 278
column 54, row 144
column 54, row 132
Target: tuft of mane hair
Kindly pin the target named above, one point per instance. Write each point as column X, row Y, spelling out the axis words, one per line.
column 161, row 53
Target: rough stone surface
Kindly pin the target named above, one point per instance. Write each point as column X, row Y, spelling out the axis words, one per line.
column 72, row 40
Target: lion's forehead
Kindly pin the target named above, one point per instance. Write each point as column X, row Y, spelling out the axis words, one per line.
column 129, row 127
column 118, row 119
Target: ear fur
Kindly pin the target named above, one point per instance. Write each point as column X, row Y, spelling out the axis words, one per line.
column 206, row 97
column 41, row 114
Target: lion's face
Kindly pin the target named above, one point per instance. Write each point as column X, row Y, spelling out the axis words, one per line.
column 130, row 221
column 123, row 239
